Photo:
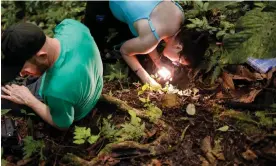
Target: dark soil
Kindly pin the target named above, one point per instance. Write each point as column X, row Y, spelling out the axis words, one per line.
column 185, row 152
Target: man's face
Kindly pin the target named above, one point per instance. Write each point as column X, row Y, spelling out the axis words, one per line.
column 35, row 66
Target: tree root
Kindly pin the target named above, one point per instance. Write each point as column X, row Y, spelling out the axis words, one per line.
column 112, row 153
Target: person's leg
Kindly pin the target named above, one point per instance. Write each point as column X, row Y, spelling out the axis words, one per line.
column 99, row 19
column 95, row 19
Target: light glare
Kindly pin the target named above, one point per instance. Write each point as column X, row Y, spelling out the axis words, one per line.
column 164, row 73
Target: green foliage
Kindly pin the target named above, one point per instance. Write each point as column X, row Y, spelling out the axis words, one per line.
column 117, row 71
column 265, row 120
column 45, row 14
column 32, row 147
column 238, row 116
column 198, row 8
column 132, row 130
column 216, row 73
column 108, row 130
column 148, row 87
column 220, row 4
column 83, row 134
column 256, row 37
column 201, row 25
column 151, row 110
column 4, row 111
column 25, row 112
column 3, row 161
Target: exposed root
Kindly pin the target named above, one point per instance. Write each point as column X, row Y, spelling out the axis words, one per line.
column 112, row 153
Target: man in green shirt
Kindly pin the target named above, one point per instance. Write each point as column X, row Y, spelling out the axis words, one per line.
column 69, row 64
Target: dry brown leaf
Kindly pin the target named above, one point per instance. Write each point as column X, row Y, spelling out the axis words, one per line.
column 227, row 81
column 242, row 73
column 249, row 98
column 212, row 154
column 170, row 100
column 204, row 161
column 249, row 155
column 217, row 150
column 155, row 162
column 206, row 144
column 207, row 149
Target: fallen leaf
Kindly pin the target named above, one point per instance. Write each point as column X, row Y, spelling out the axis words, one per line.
column 170, row 100
column 183, row 133
column 217, row 150
column 249, row 98
column 212, row 154
column 249, row 155
column 242, row 73
column 224, row 128
column 227, row 81
column 191, row 109
column 206, row 144
column 204, row 161
column 155, row 162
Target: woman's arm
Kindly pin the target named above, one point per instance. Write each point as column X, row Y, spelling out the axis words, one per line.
column 139, row 45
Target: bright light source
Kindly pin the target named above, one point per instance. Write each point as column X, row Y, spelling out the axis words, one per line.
column 164, row 73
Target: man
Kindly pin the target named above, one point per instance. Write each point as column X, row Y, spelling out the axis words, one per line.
column 70, row 66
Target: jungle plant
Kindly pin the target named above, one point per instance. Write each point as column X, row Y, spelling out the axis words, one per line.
column 32, row 147
column 152, row 110
column 83, row 134
column 132, row 130
column 117, row 71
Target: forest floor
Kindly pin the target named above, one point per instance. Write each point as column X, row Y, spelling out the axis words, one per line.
column 219, row 132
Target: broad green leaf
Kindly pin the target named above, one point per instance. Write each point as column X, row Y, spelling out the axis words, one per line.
column 79, row 141
column 257, row 38
column 4, row 111
column 23, row 111
column 224, row 128
column 191, row 26
column 93, row 139
column 82, row 132
column 220, row 34
column 205, row 6
column 191, row 110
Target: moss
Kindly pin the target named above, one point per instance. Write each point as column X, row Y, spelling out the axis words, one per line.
column 249, row 129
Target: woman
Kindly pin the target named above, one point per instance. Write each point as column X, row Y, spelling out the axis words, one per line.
column 151, row 22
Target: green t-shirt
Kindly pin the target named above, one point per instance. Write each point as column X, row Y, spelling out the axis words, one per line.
column 73, row 85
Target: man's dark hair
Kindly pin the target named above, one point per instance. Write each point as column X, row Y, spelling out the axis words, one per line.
column 19, row 43
column 194, row 44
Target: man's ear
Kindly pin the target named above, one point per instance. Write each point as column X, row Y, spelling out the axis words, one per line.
column 41, row 53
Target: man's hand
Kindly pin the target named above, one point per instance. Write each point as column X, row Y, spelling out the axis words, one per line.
column 17, row 94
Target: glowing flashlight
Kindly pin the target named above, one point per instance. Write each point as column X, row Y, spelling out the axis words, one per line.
column 164, row 73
